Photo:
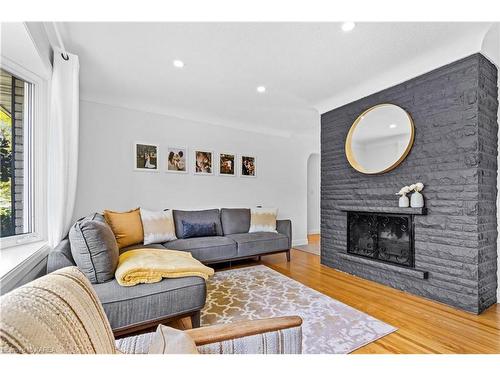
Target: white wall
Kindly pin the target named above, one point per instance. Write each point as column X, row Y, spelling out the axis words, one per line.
column 491, row 49
column 106, row 178
column 313, row 194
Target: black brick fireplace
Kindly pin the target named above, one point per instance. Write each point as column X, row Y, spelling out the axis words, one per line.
column 454, row 254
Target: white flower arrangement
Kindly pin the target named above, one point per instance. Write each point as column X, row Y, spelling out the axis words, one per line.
column 404, row 190
column 417, row 187
column 417, row 199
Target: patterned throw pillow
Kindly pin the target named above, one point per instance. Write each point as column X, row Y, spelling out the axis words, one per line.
column 263, row 220
column 158, row 226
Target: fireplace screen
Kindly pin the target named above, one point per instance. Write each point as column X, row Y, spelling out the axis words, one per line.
column 384, row 237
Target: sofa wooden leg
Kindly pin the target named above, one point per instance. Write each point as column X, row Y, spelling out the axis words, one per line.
column 195, row 319
column 288, row 255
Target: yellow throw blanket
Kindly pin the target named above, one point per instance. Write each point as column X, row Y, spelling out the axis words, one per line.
column 151, row 265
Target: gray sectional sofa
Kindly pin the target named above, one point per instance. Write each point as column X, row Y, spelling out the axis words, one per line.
column 140, row 307
column 233, row 240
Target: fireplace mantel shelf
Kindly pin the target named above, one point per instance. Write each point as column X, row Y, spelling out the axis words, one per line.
column 386, row 210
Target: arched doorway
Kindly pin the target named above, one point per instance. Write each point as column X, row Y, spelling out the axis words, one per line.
column 313, row 204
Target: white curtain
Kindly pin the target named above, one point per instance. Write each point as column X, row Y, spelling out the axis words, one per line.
column 62, row 145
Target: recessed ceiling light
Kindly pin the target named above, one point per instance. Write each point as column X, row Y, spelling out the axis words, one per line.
column 178, row 63
column 261, row 89
column 393, row 126
column 348, row 26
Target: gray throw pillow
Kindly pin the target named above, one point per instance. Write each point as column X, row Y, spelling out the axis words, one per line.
column 94, row 248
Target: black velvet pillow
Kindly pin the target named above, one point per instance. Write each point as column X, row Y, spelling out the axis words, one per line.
column 190, row 230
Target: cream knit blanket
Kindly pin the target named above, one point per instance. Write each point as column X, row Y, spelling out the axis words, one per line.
column 152, row 265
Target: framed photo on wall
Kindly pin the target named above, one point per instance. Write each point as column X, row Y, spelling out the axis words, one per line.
column 177, row 159
column 227, row 164
column 248, row 166
column 203, row 162
column 146, row 157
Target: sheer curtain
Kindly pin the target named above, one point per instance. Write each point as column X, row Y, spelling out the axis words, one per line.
column 62, row 145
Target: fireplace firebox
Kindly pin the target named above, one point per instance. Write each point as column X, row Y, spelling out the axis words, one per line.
column 382, row 237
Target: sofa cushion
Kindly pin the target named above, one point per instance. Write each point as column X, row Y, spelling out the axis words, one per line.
column 235, row 220
column 130, row 305
column 60, row 256
column 158, row 226
column 206, row 248
column 194, row 217
column 142, row 246
column 127, row 226
column 94, row 248
column 259, row 243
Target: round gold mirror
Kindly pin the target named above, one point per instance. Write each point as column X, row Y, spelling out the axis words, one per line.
column 380, row 139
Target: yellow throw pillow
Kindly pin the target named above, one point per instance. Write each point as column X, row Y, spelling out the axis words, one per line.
column 126, row 226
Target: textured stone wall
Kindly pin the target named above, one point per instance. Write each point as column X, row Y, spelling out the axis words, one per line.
column 487, row 218
column 455, row 155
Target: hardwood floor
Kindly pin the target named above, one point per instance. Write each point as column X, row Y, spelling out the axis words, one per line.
column 312, row 246
column 313, row 239
column 423, row 326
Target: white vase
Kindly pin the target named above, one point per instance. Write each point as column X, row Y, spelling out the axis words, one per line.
column 417, row 200
column 404, row 201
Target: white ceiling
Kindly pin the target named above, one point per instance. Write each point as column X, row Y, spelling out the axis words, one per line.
column 303, row 65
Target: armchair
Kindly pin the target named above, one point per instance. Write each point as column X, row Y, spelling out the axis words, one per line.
column 60, row 313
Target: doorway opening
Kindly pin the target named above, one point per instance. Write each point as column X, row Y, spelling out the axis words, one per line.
column 313, row 204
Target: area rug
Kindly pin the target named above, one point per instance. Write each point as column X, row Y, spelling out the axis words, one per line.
column 258, row 292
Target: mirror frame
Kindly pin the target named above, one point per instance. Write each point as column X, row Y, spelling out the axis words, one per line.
column 350, row 155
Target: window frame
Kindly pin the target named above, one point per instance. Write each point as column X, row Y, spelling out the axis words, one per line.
column 35, row 154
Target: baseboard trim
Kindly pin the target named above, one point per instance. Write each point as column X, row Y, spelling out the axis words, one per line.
column 300, row 242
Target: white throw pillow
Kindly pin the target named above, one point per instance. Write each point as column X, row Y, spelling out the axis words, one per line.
column 168, row 340
column 158, row 226
column 263, row 220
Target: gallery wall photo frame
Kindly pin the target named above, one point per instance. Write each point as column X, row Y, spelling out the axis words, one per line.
column 203, row 162
column 227, row 164
column 247, row 166
column 177, row 159
column 146, row 157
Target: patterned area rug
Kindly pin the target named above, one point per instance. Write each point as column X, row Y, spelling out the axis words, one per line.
column 259, row 292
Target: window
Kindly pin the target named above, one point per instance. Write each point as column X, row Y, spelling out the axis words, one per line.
column 16, row 197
